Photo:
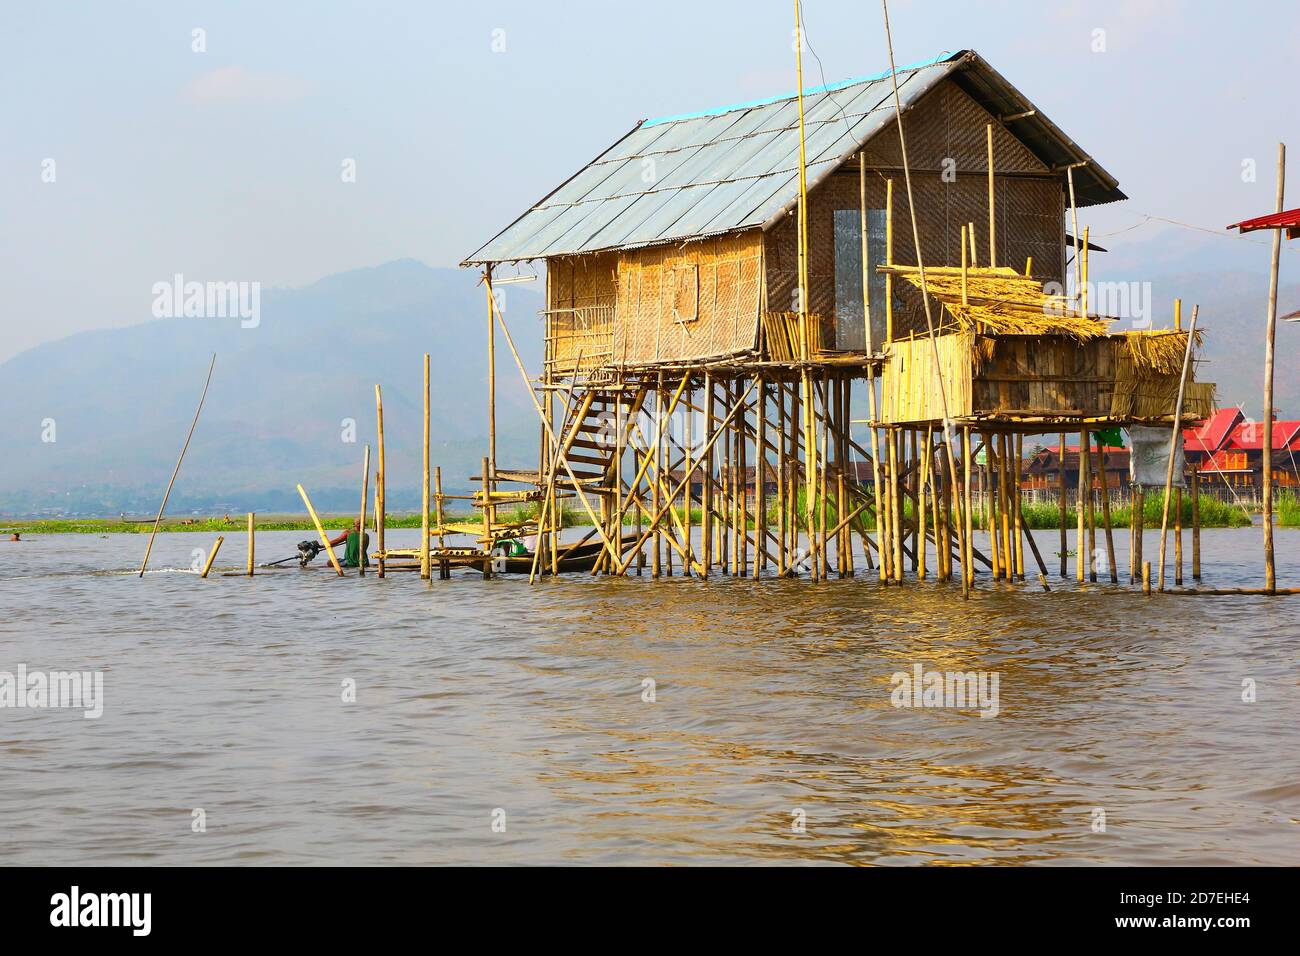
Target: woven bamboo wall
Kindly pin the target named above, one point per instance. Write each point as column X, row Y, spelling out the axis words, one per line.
column 945, row 124
column 694, row 301
column 910, row 385
column 581, row 296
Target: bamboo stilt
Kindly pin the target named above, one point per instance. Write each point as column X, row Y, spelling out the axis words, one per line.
column 1196, row 524
column 176, row 471
column 1175, row 437
column 1105, row 513
column 1060, row 478
column 424, row 486
column 361, row 517
column 212, row 556
column 250, row 544
column 381, row 476
column 1270, row 335
column 324, row 538
column 1080, row 537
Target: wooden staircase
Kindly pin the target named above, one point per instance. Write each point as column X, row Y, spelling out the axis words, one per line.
column 590, row 439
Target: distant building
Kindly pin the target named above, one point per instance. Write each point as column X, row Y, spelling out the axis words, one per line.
column 1228, row 452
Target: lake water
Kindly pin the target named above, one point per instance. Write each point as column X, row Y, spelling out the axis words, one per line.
column 496, row 701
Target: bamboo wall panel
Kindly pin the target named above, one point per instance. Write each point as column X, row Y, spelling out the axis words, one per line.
column 910, row 386
column 692, row 301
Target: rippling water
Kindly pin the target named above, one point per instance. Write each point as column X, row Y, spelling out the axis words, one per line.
column 770, row 697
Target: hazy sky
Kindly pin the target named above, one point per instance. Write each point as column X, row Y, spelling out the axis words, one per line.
column 227, row 164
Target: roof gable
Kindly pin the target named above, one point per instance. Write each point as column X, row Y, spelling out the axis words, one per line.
column 703, row 174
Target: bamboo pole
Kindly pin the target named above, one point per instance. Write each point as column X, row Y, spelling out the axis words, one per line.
column 1017, row 466
column 176, row 471
column 487, row 518
column 1105, row 512
column 760, row 483
column 1270, row 335
column 1146, row 577
column 1092, row 517
column 967, row 565
column 923, row 465
column 1081, row 563
column 212, row 556
column 1084, row 254
column 361, row 518
column 1176, row 432
column 889, row 259
column 1178, row 537
column 424, row 487
column 1005, row 503
column 381, row 476
column 324, row 538
column 1196, row 524
column 443, row 566
column 491, row 374
column 707, row 520
column 1078, row 252
column 1139, row 524
column 993, row 229
column 1060, row 478
column 250, row 544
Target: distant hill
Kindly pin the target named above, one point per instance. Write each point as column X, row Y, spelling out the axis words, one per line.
column 122, row 399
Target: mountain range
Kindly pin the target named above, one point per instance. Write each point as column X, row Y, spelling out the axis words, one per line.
column 282, row 394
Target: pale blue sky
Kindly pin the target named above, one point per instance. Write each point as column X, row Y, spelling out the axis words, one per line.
column 225, row 165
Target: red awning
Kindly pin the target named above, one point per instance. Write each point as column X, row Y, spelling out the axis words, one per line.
column 1289, row 220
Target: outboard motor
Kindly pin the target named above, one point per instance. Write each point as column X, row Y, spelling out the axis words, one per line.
column 306, row 551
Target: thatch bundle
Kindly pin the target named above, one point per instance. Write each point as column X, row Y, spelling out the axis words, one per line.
column 1148, row 368
column 1001, row 301
column 1158, row 351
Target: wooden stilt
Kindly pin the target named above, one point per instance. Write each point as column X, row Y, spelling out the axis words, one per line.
column 250, row 544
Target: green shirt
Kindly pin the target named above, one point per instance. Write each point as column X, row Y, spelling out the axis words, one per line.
column 354, row 550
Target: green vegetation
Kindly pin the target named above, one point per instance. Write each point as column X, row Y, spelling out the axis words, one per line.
column 1043, row 515
column 1288, row 510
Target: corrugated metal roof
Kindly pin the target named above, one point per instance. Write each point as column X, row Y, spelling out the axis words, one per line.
column 704, row 174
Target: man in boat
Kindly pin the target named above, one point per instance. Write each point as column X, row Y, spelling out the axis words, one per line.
column 355, row 542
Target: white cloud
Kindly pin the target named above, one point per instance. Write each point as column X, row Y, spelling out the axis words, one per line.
column 234, row 83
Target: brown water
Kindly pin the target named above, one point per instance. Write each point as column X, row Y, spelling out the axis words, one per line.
column 773, row 697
